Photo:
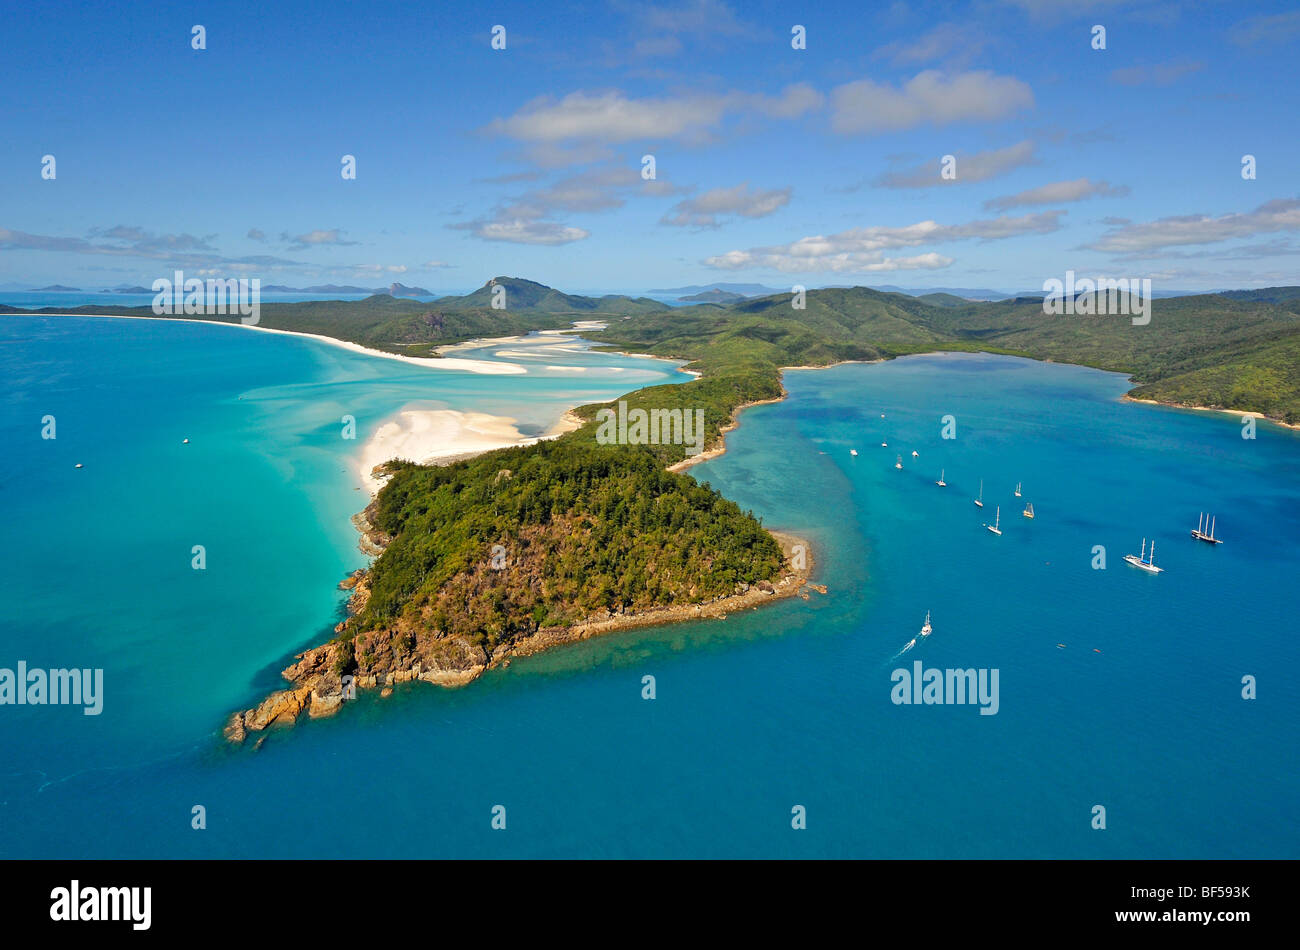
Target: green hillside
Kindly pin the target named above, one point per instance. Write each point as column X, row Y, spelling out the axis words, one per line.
column 521, row 294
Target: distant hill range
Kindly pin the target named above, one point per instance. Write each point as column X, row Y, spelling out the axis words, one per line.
column 742, row 290
column 393, row 290
column 517, row 293
column 1237, row 349
column 713, row 296
column 56, row 289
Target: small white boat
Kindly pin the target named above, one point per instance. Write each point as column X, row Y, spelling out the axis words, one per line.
column 926, row 629
column 1029, row 511
column 979, row 502
column 1145, row 561
column 899, row 463
column 997, row 521
column 185, row 442
column 853, row 451
column 1017, row 489
column 1205, row 532
column 941, row 483
column 915, row 454
column 78, row 465
column 884, row 445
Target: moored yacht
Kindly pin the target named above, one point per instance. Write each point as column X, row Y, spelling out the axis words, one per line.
column 997, row 521
column 1145, row 561
column 1205, row 530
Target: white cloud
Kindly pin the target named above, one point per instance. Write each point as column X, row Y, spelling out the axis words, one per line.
column 862, row 249
column 610, row 117
column 704, row 211
column 576, row 128
column 929, row 97
column 1152, row 237
column 319, row 238
column 951, row 41
column 979, row 166
column 1057, row 192
column 1159, row 74
column 1279, row 28
column 520, row 224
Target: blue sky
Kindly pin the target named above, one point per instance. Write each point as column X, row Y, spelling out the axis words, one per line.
column 773, row 165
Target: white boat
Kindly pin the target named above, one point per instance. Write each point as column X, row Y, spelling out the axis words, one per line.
column 853, row 451
column 884, row 445
column 899, row 463
column 185, row 441
column 926, row 629
column 941, row 483
column 979, row 502
column 1017, row 489
column 1145, row 561
column 997, row 520
column 1029, row 511
column 1205, row 531
column 915, row 454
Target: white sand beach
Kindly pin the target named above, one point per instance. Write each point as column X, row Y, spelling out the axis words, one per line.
column 429, row 435
column 485, row 367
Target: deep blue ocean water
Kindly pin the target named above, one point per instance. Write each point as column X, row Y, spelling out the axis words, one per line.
column 788, row 705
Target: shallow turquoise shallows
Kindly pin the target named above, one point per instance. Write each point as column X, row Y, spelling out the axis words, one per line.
column 1116, row 688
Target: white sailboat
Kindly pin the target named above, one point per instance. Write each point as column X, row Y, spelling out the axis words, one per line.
column 1145, row 561
column 899, row 463
column 997, row 521
column 926, row 629
column 915, row 454
column 1017, row 489
column 979, row 502
column 941, row 483
column 853, row 452
column 1205, row 530
column 1029, row 511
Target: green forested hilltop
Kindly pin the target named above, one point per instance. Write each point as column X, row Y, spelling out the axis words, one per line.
column 581, row 528
column 399, row 325
column 1206, row 350
column 521, row 294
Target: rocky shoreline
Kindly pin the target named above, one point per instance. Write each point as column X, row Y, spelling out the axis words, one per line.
column 319, row 689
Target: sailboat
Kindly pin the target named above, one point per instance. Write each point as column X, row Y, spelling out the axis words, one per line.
column 941, row 483
column 1145, row 561
column 884, row 445
column 899, row 463
column 1017, row 489
column 1201, row 534
column 1029, row 511
column 853, row 452
column 926, row 629
column 979, row 502
column 997, row 520
column 915, row 454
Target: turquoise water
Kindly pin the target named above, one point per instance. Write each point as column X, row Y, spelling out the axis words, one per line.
column 754, row 714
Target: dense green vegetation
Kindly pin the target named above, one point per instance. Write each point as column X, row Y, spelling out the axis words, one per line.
column 582, row 528
column 521, row 294
column 413, row 328
column 1212, row 350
